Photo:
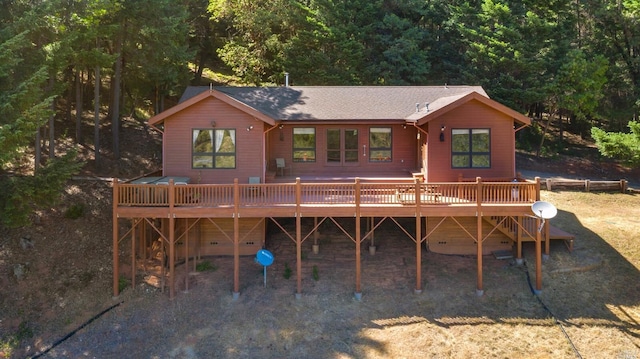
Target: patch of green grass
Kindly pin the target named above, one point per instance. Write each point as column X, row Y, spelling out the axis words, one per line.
column 7, row 345
column 75, row 211
column 122, row 283
column 287, row 271
column 205, row 266
column 10, row 343
column 24, row 332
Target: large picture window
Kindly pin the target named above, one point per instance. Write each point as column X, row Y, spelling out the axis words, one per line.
column 471, row 148
column 304, row 144
column 380, row 144
column 342, row 146
column 214, row 148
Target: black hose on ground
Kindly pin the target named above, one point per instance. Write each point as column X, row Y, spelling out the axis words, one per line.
column 566, row 335
column 61, row 340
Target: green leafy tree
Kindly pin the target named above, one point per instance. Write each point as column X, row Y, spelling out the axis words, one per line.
column 620, row 146
column 25, row 106
column 155, row 50
column 612, row 29
column 576, row 88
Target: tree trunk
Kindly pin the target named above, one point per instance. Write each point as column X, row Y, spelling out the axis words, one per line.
column 79, row 109
column 52, row 133
column 96, row 117
column 560, row 129
column 116, row 80
column 38, row 154
column 544, row 133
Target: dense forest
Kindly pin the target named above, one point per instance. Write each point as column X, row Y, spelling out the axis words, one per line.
column 574, row 63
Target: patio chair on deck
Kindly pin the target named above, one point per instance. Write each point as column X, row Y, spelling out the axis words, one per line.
column 256, row 189
column 280, row 166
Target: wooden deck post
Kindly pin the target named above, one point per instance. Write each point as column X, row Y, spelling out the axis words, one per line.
column 298, row 240
column 358, row 293
column 236, row 240
column 371, row 222
column 519, row 259
column 186, row 255
column 547, row 238
column 538, row 256
column 418, row 191
column 116, row 289
column 172, row 242
column 134, row 223
column 479, row 289
column 316, row 233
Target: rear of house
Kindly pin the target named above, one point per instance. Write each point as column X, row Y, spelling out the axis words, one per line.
column 251, row 139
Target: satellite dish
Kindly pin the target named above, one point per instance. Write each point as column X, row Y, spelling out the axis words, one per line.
column 544, row 210
column 264, row 257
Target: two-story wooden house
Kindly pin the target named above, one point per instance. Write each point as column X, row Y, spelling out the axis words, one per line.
column 237, row 158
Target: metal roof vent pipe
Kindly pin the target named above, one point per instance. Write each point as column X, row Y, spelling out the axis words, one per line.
column 286, row 79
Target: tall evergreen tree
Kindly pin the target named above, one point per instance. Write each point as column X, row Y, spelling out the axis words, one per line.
column 25, row 105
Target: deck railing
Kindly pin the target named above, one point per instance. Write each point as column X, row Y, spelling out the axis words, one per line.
column 352, row 193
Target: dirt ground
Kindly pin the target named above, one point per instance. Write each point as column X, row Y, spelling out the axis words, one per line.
column 56, row 296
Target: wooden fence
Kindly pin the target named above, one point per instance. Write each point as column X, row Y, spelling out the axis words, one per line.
column 585, row 185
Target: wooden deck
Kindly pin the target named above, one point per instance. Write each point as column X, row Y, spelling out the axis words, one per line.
column 369, row 198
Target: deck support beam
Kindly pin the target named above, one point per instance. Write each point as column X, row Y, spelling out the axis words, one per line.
column 172, row 243
column 519, row 259
column 298, row 240
column 538, row 289
column 134, row 224
column 358, row 293
column 172, row 258
column 116, row 289
column 236, row 241
column 479, row 287
column 186, row 255
column 418, row 288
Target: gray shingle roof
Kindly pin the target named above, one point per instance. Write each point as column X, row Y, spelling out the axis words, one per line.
column 341, row 102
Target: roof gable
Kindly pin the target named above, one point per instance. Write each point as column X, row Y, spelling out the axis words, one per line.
column 447, row 104
column 202, row 95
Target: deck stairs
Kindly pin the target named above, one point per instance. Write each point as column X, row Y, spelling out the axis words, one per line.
column 509, row 227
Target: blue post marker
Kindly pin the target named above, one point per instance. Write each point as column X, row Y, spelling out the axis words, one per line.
column 265, row 258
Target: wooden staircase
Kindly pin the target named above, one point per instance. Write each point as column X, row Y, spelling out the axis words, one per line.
column 509, row 227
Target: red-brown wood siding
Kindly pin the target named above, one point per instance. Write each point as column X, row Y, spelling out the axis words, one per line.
column 448, row 238
column 471, row 115
column 178, row 136
column 404, row 152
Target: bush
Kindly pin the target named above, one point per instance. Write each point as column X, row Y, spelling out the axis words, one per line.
column 75, row 211
column 205, row 266
column 287, row 271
